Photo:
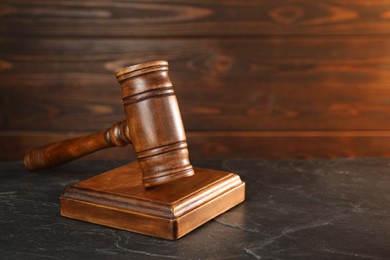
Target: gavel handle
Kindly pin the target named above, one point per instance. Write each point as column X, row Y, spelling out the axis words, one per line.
column 61, row 152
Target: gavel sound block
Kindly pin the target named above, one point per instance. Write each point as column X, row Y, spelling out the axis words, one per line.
column 161, row 194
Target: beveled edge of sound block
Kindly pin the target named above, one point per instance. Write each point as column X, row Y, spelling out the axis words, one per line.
column 117, row 199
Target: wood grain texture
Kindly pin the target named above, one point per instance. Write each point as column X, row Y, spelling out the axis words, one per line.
column 106, row 18
column 238, row 67
column 262, row 84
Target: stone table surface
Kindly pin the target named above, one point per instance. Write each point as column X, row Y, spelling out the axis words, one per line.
column 295, row 209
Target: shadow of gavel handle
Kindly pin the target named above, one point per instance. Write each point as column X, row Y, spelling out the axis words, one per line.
column 61, row 152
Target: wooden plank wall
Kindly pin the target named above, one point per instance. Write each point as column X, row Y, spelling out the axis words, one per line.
column 258, row 79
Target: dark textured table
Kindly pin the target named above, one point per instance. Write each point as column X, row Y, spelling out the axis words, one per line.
column 323, row 209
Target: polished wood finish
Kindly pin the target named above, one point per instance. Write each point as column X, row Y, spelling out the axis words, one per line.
column 264, row 67
column 154, row 122
column 153, row 125
column 172, row 205
column 61, row 152
column 118, row 199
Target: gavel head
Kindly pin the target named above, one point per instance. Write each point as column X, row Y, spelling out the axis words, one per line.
column 154, row 121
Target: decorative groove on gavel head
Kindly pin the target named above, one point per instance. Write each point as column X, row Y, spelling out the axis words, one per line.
column 154, row 122
column 118, row 134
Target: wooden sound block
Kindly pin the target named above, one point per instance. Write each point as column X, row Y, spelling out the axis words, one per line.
column 118, row 199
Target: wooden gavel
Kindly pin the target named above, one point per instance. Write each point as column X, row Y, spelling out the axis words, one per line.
column 65, row 151
column 153, row 126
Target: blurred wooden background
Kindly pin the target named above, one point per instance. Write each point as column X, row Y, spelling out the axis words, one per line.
column 261, row 79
